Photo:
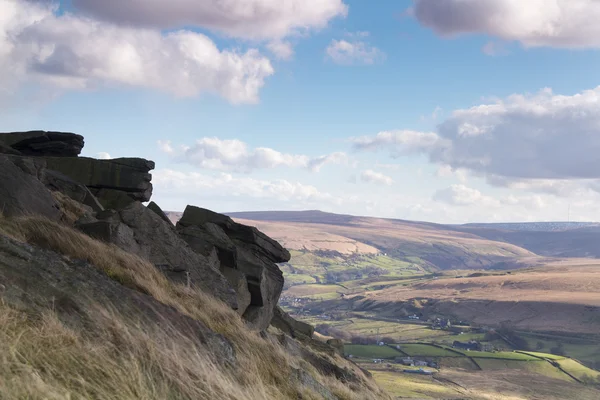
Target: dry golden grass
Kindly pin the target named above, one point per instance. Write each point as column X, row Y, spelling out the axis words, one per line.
column 46, row 358
column 299, row 236
column 383, row 233
column 557, row 297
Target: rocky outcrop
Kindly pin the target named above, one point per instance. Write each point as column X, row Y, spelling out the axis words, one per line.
column 138, row 230
column 323, row 364
column 288, row 325
column 234, row 262
column 23, row 194
column 129, row 175
column 158, row 211
column 41, row 143
column 38, row 280
column 240, row 248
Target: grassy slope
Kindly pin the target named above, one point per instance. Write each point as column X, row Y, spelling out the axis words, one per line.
column 41, row 358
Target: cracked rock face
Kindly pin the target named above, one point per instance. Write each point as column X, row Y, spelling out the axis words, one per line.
column 233, row 262
column 41, row 143
column 139, row 230
column 243, row 249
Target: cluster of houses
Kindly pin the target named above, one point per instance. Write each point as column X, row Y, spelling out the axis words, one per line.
column 410, row 362
column 472, row 345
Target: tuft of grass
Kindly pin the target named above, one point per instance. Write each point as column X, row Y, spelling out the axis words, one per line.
column 154, row 365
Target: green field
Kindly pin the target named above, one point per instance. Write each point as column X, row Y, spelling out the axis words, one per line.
column 425, row 350
column 578, row 370
column 502, row 355
column 306, row 267
column 543, row 355
column 371, row 351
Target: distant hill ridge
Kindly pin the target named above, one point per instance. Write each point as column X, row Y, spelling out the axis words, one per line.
column 552, row 239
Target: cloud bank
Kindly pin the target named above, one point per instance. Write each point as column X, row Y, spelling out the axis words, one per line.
column 235, row 156
column 73, row 52
column 534, row 23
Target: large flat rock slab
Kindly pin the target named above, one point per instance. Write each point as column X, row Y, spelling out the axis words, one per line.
column 42, row 143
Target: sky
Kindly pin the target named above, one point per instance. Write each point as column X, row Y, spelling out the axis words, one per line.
column 448, row 111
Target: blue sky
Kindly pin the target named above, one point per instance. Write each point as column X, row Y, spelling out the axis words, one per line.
column 446, row 111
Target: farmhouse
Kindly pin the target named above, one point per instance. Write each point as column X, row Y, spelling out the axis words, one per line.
column 469, row 346
column 405, row 361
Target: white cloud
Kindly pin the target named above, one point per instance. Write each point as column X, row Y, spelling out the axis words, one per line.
column 527, row 139
column 165, row 146
column 103, row 156
column 494, row 48
column 534, row 23
column 389, row 166
column 446, row 171
column 376, row 177
column 399, row 142
column 461, row 195
column 353, row 52
column 252, row 19
column 226, row 185
column 234, row 155
column 315, row 164
column 283, row 50
column 72, row 52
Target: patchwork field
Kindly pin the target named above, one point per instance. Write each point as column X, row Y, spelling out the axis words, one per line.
column 478, row 375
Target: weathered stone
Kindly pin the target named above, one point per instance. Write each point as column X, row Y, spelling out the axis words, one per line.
column 56, row 181
column 243, row 248
column 42, row 143
column 111, row 232
column 271, row 249
column 265, row 282
column 113, row 199
column 23, row 194
column 288, row 325
column 4, row 149
column 37, row 280
column 154, row 207
column 204, row 238
column 139, row 230
column 323, row 364
column 238, row 281
column 125, row 174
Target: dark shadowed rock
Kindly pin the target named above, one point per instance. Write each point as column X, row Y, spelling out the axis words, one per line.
column 270, row 248
column 56, row 181
column 288, row 325
column 42, row 143
column 265, row 282
column 243, row 248
column 37, row 280
column 23, row 194
column 238, row 281
column 113, row 199
column 323, row 364
column 208, row 236
column 155, row 208
column 4, row 149
column 138, row 230
column 124, row 174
